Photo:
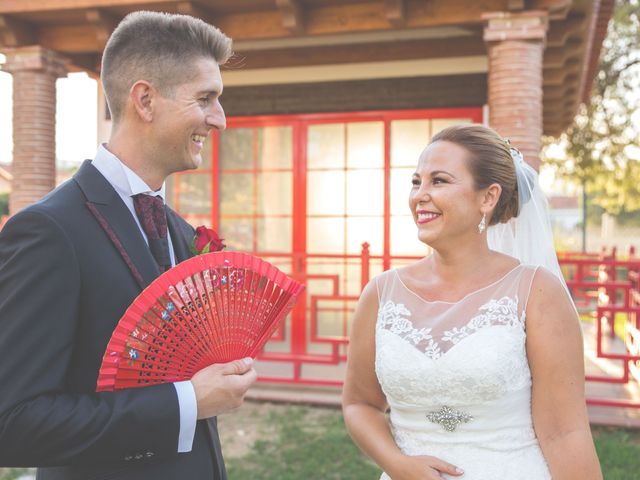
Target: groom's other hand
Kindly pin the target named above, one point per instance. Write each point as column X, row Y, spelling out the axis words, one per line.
column 221, row 387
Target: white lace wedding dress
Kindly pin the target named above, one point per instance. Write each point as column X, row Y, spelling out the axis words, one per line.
column 457, row 379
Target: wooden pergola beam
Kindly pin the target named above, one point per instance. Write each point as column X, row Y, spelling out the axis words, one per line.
column 395, row 11
column 561, row 57
column 292, row 15
column 102, row 22
column 516, row 5
column 16, row 33
column 561, row 31
column 195, row 10
column 86, row 62
column 364, row 52
column 22, row 6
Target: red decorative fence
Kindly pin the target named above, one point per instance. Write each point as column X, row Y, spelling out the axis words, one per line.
column 603, row 285
column 607, row 288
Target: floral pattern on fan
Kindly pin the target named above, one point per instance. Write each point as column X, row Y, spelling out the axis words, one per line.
column 212, row 308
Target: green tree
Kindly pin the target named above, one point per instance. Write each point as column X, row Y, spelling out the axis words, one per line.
column 4, row 204
column 602, row 145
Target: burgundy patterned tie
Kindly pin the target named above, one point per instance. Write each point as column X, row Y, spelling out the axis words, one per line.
column 153, row 218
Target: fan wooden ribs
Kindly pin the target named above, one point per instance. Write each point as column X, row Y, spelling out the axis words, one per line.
column 212, row 308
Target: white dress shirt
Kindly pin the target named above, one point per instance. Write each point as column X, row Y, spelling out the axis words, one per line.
column 127, row 183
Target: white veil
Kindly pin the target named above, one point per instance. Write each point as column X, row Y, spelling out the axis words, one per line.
column 527, row 237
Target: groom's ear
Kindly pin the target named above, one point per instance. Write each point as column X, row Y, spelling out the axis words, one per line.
column 142, row 96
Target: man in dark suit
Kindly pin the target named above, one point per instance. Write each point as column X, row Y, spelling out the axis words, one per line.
column 72, row 263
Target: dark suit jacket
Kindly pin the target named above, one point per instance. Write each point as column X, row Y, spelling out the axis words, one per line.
column 63, row 288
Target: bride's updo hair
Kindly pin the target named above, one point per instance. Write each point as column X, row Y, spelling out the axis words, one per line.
column 490, row 162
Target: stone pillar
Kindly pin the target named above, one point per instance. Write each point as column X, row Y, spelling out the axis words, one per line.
column 34, row 71
column 516, row 44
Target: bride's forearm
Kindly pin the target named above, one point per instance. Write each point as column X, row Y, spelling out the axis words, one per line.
column 370, row 430
column 572, row 455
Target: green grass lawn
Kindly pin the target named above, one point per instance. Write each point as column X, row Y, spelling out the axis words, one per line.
column 282, row 442
column 619, row 452
column 305, row 443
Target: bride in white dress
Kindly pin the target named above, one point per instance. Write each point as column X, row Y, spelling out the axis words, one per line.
column 477, row 354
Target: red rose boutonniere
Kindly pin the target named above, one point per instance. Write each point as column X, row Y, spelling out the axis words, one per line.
column 206, row 240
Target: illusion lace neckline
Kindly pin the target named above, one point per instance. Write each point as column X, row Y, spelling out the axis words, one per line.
column 465, row 296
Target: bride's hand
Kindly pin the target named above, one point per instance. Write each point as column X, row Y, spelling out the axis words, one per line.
column 422, row 467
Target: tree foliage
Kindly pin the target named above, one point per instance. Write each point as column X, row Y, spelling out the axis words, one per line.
column 4, row 204
column 602, row 146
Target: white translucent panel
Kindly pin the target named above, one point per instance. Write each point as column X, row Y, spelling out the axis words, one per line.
column 206, row 155
column 237, row 193
column 365, row 192
column 439, row 124
column 281, row 345
column 325, row 193
column 237, row 148
column 352, row 283
column 365, row 145
column 275, row 147
column 325, row 235
column 274, row 193
column 274, row 234
column 318, row 371
column 400, row 188
column 320, row 286
column 325, row 266
column 194, row 193
column 365, row 229
column 197, row 219
column 404, row 237
column 318, row 348
column 237, row 233
column 325, row 146
column 333, row 317
column 408, row 139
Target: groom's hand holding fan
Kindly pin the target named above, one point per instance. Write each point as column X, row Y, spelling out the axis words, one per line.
column 220, row 388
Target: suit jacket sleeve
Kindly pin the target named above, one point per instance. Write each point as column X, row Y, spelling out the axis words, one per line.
column 42, row 423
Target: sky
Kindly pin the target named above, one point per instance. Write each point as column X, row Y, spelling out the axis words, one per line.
column 76, row 118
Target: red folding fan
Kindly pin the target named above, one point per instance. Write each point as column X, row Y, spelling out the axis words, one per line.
column 212, row 308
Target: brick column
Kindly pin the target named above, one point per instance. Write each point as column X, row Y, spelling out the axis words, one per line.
column 516, row 44
column 34, row 71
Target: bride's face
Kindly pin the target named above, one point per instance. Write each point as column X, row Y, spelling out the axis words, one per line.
column 443, row 200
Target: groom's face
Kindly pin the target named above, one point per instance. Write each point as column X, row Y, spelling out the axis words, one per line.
column 444, row 201
column 185, row 118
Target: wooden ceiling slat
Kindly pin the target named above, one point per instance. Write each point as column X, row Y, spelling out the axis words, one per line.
column 15, row 33
column 103, row 24
column 292, row 15
column 195, row 10
column 22, row 6
column 516, row 5
column 395, row 10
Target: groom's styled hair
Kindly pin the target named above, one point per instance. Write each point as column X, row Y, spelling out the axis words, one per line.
column 159, row 48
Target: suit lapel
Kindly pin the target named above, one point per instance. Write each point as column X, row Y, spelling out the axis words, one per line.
column 110, row 206
column 179, row 237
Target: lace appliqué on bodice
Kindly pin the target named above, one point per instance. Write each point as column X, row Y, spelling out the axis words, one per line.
column 395, row 318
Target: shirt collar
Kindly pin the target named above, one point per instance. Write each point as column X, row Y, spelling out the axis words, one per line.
column 121, row 177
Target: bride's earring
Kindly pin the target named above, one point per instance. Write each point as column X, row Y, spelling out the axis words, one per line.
column 483, row 223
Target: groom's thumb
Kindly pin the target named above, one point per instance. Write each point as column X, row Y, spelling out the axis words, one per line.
column 237, row 367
